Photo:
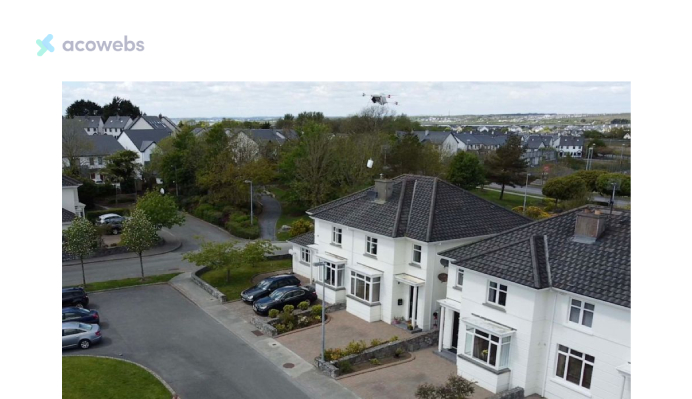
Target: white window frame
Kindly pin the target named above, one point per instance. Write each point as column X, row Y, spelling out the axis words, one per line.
column 371, row 286
column 568, row 353
column 496, row 343
column 498, row 289
column 582, row 307
column 420, row 254
column 459, row 276
column 371, row 245
column 337, row 233
column 305, row 255
column 335, row 274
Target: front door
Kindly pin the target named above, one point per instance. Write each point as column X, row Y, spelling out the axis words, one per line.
column 455, row 332
column 411, row 301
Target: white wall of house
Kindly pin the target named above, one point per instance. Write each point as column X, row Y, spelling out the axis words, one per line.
column 70, row 201
column 141, row 123
column 127, row 144
column 146, row 155
column 450, row 146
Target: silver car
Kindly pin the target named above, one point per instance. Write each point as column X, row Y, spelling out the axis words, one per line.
column 80, row 334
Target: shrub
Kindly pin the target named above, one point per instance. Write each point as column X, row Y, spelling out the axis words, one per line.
column 356, row 347
column 303, row 321
column 289, row 326
column 318, row 318
column 287, row 315
column 316, row 311
column 393, row 339
column 375, row 342
column 93, row 215
column 333, row 354
column 274, row 313
column 398, row 352
column 604, row 186
column 289, row 308
column 345, row 367
column 239, row 225
column 455, row 387
column 304, row 305
column 300, row 226
column 565, row 188
column 375, row 361
column 280, row 328
column 533, row 212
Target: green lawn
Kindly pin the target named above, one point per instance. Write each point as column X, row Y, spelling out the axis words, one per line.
column 90, row 377
column 128, row 282
column 289, row 212
column 241, row 276
column 509, row 200
column 288, row 220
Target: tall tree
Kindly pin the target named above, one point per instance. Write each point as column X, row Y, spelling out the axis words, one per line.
column 405, row 155
column 139, row 234
column 257, row 251
column 83, row 108
column 285, row 123
column 217, row 256
column 505, row 166
column 466, row 171
column 565, row 188
column 122, row 167
column 161, row 210
column 122, row 107
column 81, row 239
column 75, row 143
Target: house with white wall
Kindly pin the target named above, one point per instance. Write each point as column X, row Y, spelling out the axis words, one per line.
column 544, row 306
column 537, row 149
column 148, row 122
column 249, row 143
column 142, row 141
column 93, row 158
column 71, row 207
column 568, row 145
column 115, row 125
column 480, row 142
column 444, row 141
column 376, row 250
column 92, row 124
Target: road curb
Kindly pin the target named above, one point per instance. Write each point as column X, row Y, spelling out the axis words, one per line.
column 410, row 359
column 134, row 256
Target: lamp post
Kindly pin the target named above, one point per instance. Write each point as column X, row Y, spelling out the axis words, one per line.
column 251, row 196
column 622, row 153
column 589, row 157
column 523, row 210
column 323, row 265
column 176, row 180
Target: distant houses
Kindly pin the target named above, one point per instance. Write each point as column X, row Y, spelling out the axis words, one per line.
column 92, row 160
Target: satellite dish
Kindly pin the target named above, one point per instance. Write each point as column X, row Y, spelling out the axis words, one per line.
column 370, row 163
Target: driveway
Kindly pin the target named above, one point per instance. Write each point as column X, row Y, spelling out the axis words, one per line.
column 159, row 328
column 271, row 212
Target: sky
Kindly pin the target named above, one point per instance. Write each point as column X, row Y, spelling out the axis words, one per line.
column 248, row 99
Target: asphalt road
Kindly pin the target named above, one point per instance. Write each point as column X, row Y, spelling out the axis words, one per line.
column 271, row 212
column 538, row 192
column 159, row 328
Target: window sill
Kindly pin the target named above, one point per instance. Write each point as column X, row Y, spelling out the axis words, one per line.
column 415, row 265
column 482, row 365
column 496, row 307
column 573, row 387
column 304, row 263
column 335, row 244
column 578, row 327
column 370, row 255
column 456, row 287
column 364, row 302
column 329, row 287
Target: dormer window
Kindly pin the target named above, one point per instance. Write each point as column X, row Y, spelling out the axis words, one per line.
column 371, row 245
column 336, row 235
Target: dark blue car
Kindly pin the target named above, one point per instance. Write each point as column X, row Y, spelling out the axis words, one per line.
column 80, row 315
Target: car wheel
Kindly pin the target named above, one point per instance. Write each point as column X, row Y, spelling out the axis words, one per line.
column 79, row 305
column 84, row 344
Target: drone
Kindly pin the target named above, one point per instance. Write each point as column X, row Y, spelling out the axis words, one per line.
column 380, row 99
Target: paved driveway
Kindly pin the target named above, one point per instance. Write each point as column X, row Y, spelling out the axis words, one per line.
column 158, row 327
column 271, row 212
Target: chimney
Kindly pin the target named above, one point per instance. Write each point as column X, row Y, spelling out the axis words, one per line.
column 383, row 188
column 589, row 226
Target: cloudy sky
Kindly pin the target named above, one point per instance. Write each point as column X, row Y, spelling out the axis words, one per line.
column 246, row 99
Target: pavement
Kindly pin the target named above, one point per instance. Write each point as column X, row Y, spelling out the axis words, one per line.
column 271, row 211
column 196, row 355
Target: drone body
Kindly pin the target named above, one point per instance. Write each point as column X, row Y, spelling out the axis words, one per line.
column 381, row 99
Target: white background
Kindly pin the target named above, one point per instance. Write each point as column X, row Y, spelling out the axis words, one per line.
column 354, row 40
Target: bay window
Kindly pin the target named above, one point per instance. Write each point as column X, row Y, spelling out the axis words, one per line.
column 417, row 253
column 365, row 287
column 334, row 274
column 336, row 235
column 581, row 312
column 371, row 245
column 575, row 367
column 497, row 293
column 487, row 348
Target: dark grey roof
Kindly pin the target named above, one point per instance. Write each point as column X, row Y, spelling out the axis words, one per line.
column 269, row 135
column 103, row 145
column 199, row 130
column 570, row 141
column 67, row 216
column 482, row 139
column 89, row 121
column 67, row 181
column 423, row 208
column 117, row 122
column 600, row 270
column 139, row 136
column 533, row 142
column 155, row 122
column 427, row 136
column 304, row 239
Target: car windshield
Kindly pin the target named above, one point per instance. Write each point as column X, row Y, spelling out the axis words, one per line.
column 264, row 284
column 85, row 326
column 276, row 294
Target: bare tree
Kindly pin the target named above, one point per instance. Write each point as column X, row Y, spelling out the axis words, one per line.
column 75, row 143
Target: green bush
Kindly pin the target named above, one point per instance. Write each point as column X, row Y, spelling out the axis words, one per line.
column 356, row 347
column 375, row 361
column 287, row 316
column 303, row 321
column 316, row 311
column 280, row 328
column 375, row 342
column 304, row 305
column 300, row 226
column 393, row 339
column 209, row 214
column 239, row 225
column 398, row 352
column 333, row 354
column 274, row 313
column 93, row 215
column 456, row 387
column 345, row 367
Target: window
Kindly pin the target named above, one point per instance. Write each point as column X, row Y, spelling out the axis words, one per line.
column 100, row 160
column 575, row 367
column 335, row 274
column 365, row 287
column 497, row 293
column 581, row 312
column 484, row 347
column 91, row 160
column 371, row 245
column 460, row 277
column 305, row 255
column 417, row 253
column 336, row 235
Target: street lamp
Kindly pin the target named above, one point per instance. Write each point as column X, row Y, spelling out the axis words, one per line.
column 176, row 180
column 323, row 265
column 251, row 196
column 589, row 157
column 622, row 153
column 523, row 211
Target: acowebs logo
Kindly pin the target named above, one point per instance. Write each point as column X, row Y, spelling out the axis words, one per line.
column 95, row 45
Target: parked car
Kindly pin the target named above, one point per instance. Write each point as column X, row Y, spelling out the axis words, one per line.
column 80, row 315
column 110, row 218
column 80, row 334
column 74, row 297
column 284, row 296
column 267, row 286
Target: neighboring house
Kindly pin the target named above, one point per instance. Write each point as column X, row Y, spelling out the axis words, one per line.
column 93, row 160
column 71, row 207
column 115, row 125
column 148, row 122
column 568, row 145
column 479, row 142
column 627, row 136
column 248, row 143
column 445, row 141
column 537, row 149
column 143, row 141
column 380, row 245
column 92, row 124
column 170, row 124
column 544, row 306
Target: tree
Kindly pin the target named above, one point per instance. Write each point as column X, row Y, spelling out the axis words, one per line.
column 285, row 123
column 161, row 210
column 605, row 181
column 565, row 188
column 593, row 134
column 217, row 256
column 139, row 234
column 505, row 166
column 300, row 226
column 589, row 177
column 83, row 108
column 122, row 107
column 466, row 171
column 257, row 251
column 122, row 167
column 455, row 388
column 75, row 143
column 406, row 155
column 81, row 239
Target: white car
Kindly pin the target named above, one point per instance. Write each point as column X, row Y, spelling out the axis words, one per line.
column 110, row 218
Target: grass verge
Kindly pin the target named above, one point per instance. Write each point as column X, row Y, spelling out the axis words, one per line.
column 241, row 276
column 128, row 282
column 509, row 200
column 89, row 377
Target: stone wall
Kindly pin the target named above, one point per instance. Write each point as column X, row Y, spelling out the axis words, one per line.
column 267, row 325
column 211, row 290
column 515, row 393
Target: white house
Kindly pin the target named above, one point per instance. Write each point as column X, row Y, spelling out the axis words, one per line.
column 538, row 149
column 91, row 161
column 92, row 124
column 627, row 136
column 380, row 245
column 154, row 122
column 544, row 306
column 143, row 141
column 568, row 145
column 115, row 125
column 444, row 141
column 477, row 142
column 247, row 143
column 71, row 207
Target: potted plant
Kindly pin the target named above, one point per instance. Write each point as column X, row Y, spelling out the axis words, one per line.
column 409, row 325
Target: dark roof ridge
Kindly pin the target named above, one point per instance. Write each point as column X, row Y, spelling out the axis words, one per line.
column 398, row 209
column 413, row 197
column 523, row 240
column 534, row 261
column 489, row 202
column 432, row 210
